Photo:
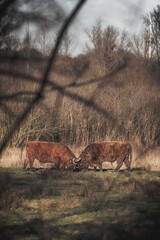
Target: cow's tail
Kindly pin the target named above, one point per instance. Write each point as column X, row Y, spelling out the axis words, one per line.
column 24, row 144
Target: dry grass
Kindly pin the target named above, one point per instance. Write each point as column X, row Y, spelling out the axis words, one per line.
column 148, row 159
column 84, row 205
column 43, row 204
column 107, row 184
column 150, row 188
column 137, row 188
column 9, row 199
column 131, row 188
column 12, row 157
column 48, row 204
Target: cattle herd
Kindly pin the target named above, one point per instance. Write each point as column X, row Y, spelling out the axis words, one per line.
column 92, row 156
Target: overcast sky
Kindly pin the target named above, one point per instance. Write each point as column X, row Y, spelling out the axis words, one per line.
column 124, row 14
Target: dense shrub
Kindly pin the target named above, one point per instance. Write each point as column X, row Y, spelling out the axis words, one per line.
column 81, row 105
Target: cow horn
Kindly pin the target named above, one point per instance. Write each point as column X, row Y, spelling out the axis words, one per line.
column 76, row 160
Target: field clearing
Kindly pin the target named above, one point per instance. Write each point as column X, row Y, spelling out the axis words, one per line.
column 49, row 204
column 150, row 159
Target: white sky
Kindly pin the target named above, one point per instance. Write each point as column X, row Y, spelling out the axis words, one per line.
column 124, row 14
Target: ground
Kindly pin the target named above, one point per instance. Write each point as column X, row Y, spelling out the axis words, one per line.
column 48, row 204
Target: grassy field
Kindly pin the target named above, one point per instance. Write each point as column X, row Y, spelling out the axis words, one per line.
column 49, row 204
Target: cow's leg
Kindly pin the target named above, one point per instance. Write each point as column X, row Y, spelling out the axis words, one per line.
column 60, row 166
column 28, row 161
column 127, row 163
column 94, row 166
column 57, row 164
column 31, row 161
column 119, row 164
column 25, row 163
column 97, row 166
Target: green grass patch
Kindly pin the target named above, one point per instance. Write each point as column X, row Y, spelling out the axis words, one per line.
column 49, row 204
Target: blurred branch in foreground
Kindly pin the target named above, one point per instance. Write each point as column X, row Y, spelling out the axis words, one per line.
column 39, row 94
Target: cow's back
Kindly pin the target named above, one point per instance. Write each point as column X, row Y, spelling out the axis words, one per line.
column 48, row 151
column 62, row 151
column 37, row 149
column 115, row 149
column 97, row 153
column 105, row 150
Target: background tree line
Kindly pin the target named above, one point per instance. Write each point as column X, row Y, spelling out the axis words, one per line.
column 109, row 92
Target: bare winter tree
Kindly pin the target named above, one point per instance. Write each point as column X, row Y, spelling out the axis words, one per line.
column 43, row 40
column 96, row 103
column 66, row 45
column 152, row 22
column 36, row 15
column 105, row 46
column 140, row 45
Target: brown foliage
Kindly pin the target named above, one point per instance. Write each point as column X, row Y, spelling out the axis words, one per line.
column 81, row 104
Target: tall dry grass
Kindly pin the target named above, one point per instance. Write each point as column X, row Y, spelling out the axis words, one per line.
column 12, row 157
column 123, row 105
column 142, row 159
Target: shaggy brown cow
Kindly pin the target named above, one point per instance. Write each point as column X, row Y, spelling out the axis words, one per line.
column 97, row 153
column 49, row 152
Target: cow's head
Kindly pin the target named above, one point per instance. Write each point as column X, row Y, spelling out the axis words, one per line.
column 71, row 164
column 77, row 164
column 76, row 161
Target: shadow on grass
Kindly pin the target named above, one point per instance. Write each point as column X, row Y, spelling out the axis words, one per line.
column 39, row 228
column 99, row 216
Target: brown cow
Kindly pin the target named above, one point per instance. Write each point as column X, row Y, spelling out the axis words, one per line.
column 49, row 152
column 97, row 153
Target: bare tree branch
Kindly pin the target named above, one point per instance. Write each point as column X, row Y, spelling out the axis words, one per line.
column 39, row 95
